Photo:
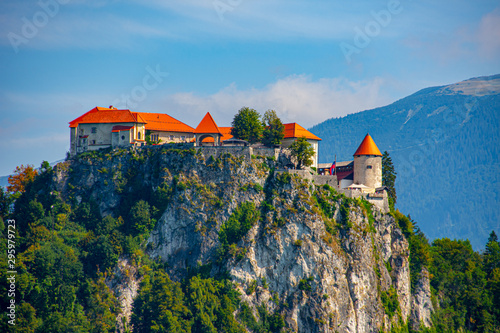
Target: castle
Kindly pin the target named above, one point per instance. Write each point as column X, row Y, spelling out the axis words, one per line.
column 121, row 128
column 363, row 173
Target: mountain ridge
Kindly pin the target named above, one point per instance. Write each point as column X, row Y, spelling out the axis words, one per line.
column 443, row 141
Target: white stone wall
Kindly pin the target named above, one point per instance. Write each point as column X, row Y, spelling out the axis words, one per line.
column 363, row 174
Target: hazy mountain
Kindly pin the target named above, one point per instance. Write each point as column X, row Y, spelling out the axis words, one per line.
column 444, row 142
column 4, row 181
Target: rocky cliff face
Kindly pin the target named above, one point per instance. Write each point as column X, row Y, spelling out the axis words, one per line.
column 325, row 262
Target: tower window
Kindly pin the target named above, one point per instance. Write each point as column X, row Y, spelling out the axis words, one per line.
column 368, row 166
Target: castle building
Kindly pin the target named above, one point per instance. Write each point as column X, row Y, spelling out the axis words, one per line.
column 364, row 172
column 209, row 134
column 112, row 127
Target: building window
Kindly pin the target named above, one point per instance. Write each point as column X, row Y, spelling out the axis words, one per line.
column 123, row 137
column 183, row 137
column 368, row 166
column 171, row 137
column 81, row 131
column 92, row 142
column 139, row 135
column 94, row 129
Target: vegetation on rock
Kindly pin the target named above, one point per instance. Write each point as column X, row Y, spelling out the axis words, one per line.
column 71, row 233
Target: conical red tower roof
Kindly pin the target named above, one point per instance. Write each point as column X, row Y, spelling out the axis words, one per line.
column 367, row 147
column 207, row 125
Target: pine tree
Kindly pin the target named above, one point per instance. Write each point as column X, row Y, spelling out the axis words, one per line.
column 389, row 177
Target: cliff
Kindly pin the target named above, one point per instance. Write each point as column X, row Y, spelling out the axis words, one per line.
column 324, row 262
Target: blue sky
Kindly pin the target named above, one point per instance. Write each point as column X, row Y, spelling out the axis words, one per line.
column 60, row 58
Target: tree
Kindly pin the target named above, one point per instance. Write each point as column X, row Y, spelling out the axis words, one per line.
column 45, row 167
column 247, row 125
column 303, row 152
column 102, row 306
column 5, row 202
column 492, row 254
column 23, row 175
column 274, row 130
column 140, row 217
column 389, row 177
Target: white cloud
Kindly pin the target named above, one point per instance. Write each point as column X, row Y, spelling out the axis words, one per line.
column 488, row 35
column 296, row 98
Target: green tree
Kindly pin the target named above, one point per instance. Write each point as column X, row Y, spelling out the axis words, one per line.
column 140, row 217
column 274, row 130
column 103, row 306
column 389, row 177
column 492, row 254
column 5, row 202
column 160, row 305
column 45, row 167
column 303, row 152
column 88, row 215
column 239, row 223
column 247, row 125
column 102, row 255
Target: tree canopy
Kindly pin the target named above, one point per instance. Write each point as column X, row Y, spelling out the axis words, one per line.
column 274, row 130
column 22, row 176
column 247, row 125
column 389, row 177
column 303, row 152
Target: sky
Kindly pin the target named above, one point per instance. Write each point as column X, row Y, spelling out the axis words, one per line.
column 308, row 60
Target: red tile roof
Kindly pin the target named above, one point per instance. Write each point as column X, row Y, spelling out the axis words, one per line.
column 367, row 147
column 100, row 115
column 294, row 130
column 163, row 122
column 207, row 125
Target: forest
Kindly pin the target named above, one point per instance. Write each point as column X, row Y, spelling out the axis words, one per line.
column 64, row 252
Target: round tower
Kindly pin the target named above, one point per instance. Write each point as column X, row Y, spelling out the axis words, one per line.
column 368, row 164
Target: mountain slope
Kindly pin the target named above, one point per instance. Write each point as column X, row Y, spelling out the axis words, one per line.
column 444, row 143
